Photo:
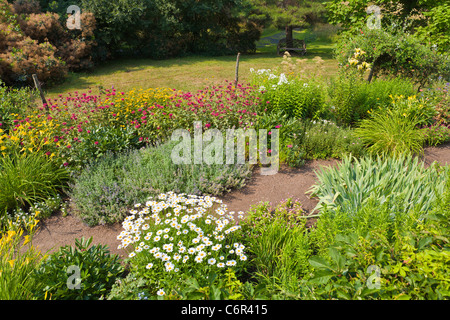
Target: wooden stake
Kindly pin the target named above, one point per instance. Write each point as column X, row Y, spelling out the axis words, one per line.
column 38, row 86
column 237, row 70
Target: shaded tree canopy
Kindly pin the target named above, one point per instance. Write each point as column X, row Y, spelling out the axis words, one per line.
column 290, row 14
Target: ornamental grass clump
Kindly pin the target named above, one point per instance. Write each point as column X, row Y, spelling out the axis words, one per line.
column 402, row 182
column 26, row 179
column 391, row 133
column 176, row 236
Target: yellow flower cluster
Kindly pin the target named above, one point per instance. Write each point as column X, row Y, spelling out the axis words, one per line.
column 354, row 61
column 123, row 106
column 11, row 242
column 29, row 135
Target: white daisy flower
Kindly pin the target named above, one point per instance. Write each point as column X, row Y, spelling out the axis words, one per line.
column 160, row 292
column 231, row 263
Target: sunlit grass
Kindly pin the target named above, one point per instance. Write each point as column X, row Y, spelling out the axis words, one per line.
column 191, row 72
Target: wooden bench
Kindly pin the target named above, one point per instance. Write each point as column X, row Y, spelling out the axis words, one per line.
column 298, row 46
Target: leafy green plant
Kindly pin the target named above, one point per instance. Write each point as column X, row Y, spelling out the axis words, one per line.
column 130, row 287
column 295, row 97
column 26, row 179
column 277, row 242
column 105, row 190
column 291, row 131
column 324, row 139
column 14, row 101
column 439, row 97
column 391, row 132
column 414, row 108
column 198, row 239
column 21, row 218
column 18, row 261
column 435, row 31
column 212, row 287
column 436, row 134
column 352, row 98
column 100, row 140
column 381, row 253
column 403, row 267
column 403, row 182
column 98, row 270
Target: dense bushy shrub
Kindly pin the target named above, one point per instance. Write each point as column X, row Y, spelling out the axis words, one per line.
column 351, row 97
column 392, row 52
column 57, row 278
column 435, row 32
column 40, row 43
column 106, row 189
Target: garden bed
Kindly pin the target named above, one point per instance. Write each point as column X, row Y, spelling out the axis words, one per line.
column 58, row 231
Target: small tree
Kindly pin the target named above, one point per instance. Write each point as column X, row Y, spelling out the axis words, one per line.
column 392, row 52
column 290, row 14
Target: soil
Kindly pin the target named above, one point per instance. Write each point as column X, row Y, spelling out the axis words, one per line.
column 57, row 230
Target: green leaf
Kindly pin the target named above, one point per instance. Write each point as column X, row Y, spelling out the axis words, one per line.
column 424, row 242
column 321, row 277
column 403, row 296
column 320, row 263
column 215, row 293
column 337, row 258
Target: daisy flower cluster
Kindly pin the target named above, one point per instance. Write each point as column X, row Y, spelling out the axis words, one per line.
column 176, row 232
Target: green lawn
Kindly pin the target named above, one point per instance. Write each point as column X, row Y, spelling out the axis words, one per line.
column 188, row 73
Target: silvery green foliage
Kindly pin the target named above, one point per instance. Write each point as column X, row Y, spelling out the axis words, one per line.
column 402, row 182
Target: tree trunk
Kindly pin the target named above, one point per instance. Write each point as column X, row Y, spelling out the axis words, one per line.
column 369, row 78
column 289, row 37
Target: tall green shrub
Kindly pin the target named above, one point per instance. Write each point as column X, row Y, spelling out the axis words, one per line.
column 352, row 98
column 392, row 52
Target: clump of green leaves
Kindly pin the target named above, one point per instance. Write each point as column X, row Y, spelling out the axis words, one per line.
column 277, row 243
column 105, row 190
column 26, row 179
column 402, row 181
column 351, row 97
column 14, row 101
column 382, row 253
column 436, row 134
column 58, row 279
column 392, row 133
column 324, row 139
